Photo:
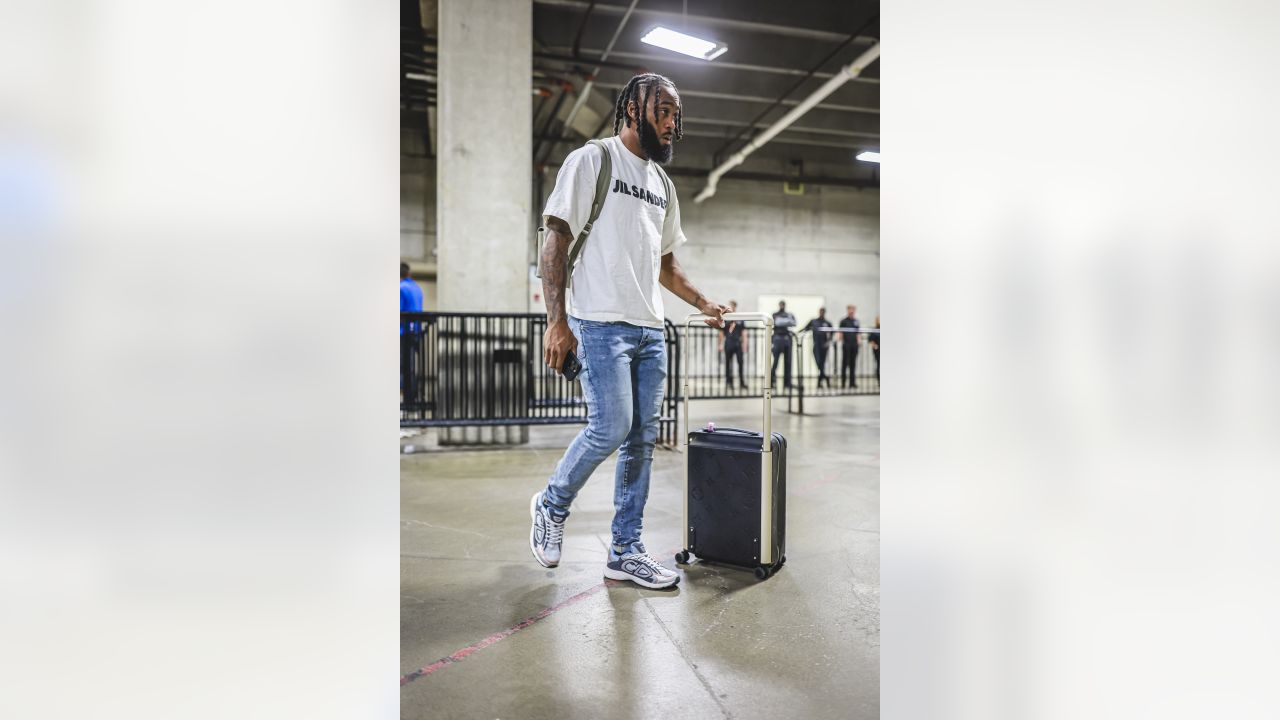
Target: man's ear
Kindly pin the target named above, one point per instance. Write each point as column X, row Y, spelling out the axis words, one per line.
column 631, row 110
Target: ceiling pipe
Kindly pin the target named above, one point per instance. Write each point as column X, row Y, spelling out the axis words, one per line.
column 711, row 95
column 570, row 60
column 565, row 89
column 649, row 59
column 582, row 27
column 586, row 89
column 782, row 100
column 784, row 140
column 719, row 122
column 846, row 74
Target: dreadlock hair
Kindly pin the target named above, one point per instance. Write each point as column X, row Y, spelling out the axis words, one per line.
column 641, row 89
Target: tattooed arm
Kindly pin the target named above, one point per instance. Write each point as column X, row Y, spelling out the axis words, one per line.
column 673, row 278
column 558, row 340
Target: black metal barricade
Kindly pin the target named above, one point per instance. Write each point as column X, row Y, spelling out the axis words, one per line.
column 847, row 363
column 487, row 369
column 718, row 372
column 850, row 364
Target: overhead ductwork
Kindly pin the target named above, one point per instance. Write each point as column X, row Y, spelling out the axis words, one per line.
column 847, row 73
column 581, row 100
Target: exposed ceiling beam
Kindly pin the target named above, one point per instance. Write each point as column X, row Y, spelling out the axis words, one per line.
column 755, row 99
column 849, row 71
column 586, row 60
column 676, row 60
column 786, row 30
column 585, row 92
column 793, row 128
column 774, row 177
column 839, row 80
column 780, row 140
column 785, row 140
column 591, row 56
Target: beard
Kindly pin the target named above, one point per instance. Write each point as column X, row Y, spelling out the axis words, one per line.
column 652, row 144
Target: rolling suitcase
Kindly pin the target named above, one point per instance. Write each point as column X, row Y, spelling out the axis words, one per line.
column 735, row 487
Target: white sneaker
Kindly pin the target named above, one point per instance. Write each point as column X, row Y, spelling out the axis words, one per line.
column 547, row 533
column 639, row 568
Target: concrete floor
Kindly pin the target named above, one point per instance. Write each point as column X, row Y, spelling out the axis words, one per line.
column 802, row 644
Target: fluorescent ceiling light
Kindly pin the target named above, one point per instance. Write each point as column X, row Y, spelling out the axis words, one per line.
column 869, row 156
column 684, row 44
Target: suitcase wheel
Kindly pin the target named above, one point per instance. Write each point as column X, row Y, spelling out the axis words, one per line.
column 762, row 572
column 682, row 557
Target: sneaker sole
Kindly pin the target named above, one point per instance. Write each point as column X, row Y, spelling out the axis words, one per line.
column 612, row 574
column 533, row 515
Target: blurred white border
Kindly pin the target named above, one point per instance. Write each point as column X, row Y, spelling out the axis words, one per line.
column 1079, row 262
column 198, row 224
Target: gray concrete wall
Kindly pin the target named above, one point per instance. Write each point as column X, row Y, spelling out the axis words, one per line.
column 417, row 200
column 418, row 214
column 748, row 240
column 751, row 239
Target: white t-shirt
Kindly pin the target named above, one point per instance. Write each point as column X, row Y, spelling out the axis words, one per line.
column 616, row 276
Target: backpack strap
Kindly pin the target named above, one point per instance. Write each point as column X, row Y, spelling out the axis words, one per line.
column 666, row 181
column 603, row 181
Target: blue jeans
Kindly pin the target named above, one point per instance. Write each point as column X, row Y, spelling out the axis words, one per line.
column 624, row 373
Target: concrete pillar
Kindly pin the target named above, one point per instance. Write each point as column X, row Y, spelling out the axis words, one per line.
column 484, row 176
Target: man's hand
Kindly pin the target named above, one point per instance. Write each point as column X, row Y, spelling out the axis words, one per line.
column 714, row 311
column 557, row 341
column 672, row 277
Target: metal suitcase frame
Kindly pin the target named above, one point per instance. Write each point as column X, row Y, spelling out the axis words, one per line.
column 767, row 563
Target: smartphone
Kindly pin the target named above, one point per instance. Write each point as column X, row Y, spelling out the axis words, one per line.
column 571, row 366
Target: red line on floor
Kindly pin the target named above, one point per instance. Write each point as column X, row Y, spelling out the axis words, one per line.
column 465, row 652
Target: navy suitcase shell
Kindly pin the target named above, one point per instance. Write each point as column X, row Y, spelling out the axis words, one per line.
column 725, row 497
column 735, row 491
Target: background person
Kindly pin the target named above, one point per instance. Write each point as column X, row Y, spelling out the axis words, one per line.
column 733, row 343
column 875, row 347
column 851, row 340
column 783, row 321
column 821, row 341
column 410, row 336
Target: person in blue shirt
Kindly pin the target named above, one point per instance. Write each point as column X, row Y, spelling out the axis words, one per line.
column 410, row 335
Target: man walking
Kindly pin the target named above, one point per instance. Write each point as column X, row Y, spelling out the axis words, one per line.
column 613, row 317
column 733, row 343
column 851, row 340
column 410, row 337
column 783, row 321
column 821, row 339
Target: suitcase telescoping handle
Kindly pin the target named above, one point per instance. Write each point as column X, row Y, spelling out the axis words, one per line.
column 765, row 318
